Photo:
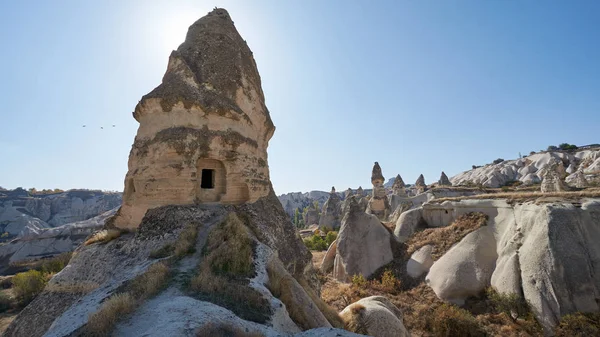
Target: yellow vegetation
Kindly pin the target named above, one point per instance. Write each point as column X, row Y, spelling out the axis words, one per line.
column 103, row 236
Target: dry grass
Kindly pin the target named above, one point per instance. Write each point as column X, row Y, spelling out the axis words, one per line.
column 103, row 236
column 186, row 241
column 579, row 325
column 513, row 197
column 120, row 305
column 185, row 244
column 224, row 271
column 225, row 330
column 317, row 258
column 6, row 319
column 151, row 282
column 442, row 239
column 103, row 321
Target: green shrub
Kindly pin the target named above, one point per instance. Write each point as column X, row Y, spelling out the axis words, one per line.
column 28, row 285
column 316, row 242
column 449, row 320
column 579, row 325
column 512, row 305
column 56, row 264
column 330, row 237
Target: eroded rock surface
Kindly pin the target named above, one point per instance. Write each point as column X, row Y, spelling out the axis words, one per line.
column 204, row 130
column 546, row 252
column 331, row 215
column 363, row 244
column 375, row 316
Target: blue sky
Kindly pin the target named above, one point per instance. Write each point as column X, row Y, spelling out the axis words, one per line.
column 420, row 86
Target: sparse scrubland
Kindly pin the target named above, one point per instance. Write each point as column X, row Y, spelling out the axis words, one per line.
column 490, row 314
column 224, row 272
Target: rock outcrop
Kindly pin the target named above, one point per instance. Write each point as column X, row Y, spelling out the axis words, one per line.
column 420, row 185
column 444, row 181
column 577, row 179
column 379, row 204
column 331, row 215
column 398, row 187
column 420, row 262
column 23, row 214
column 348, row 193
column 204, row 130
column 552, row 179
column 298, row 200
column 363, row 244
column 250, row 267
column 374, row 316
column 546, row 252
column 528, row 170
column 360, row 192
column 48, row 242
column 311, row 217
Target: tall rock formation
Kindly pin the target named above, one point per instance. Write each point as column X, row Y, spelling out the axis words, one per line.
column 420, row 184
column 552, row 179
column 331, row 215
column 378, row 204
column 207, row 115
column 348, row 193
column 398, row 187
column 363, row 244
column 444, row 181
column 204, row 130
column 311, row 216
column 360, row 192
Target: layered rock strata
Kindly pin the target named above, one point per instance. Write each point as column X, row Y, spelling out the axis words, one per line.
column 204, row 130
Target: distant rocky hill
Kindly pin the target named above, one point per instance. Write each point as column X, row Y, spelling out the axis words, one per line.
column 24, row 214
column 529, row 170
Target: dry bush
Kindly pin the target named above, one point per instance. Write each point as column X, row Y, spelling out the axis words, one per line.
column 449, row 320
column 224, row 271
column 151, row 282
column 186, row 241
column 579, row 325
column 27, row 285
column 56, row 264
column 442, row 239
column 103, row 236
column 229, row 249
column 103, row 321
column 225, row 330
column 118, row 306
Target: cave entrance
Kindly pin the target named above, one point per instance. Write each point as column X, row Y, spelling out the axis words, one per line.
column 207, row 179
column 212, row 183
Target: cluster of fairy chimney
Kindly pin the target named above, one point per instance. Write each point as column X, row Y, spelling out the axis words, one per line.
column 380, row 203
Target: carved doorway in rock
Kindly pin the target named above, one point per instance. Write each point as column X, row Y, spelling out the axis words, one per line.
column 211, row 180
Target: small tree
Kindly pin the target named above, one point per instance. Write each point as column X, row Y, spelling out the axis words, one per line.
column 552, row 148
column 296, row 218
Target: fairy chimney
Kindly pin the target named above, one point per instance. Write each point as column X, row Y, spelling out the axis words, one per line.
column 378, row 204
column 420, row 184
column 444, row 181
column 204, row 131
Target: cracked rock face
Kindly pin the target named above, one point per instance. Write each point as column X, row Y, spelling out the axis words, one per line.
column 204, row 130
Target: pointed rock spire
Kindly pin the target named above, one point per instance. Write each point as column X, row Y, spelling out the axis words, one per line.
column 376, row 176
column 444, row 181
column 420, row 184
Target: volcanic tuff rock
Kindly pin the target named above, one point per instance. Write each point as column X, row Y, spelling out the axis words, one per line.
column 398, row 187
column 48, row 242
column 379, row 204
column 311, row 216
column 22, row 213
column 577, row 179
column 420, row 184
column 528, row 169
column 211, row 79
column 363, row 244
column 204, row 131
column 444, row 181
column 299, row 200
column 375, row 316
column 331, row 215
column 552, row 178
column 545, row 251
